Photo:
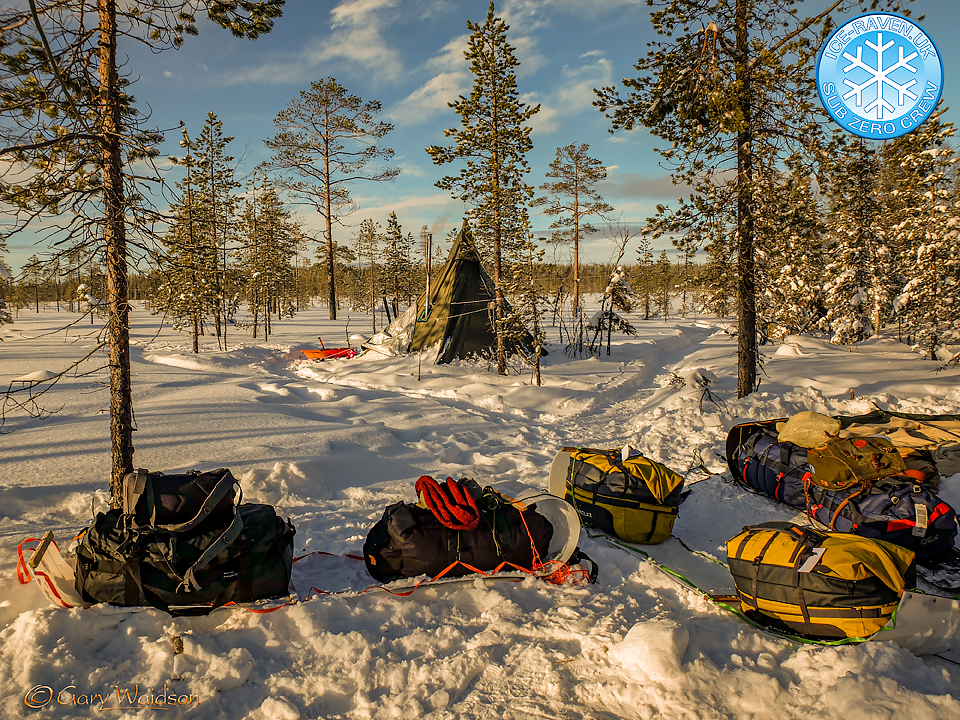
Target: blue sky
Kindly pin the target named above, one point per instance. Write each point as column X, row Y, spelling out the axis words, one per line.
column 408, row 54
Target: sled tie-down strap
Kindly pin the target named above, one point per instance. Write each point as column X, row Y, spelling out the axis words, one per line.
column 452, row 504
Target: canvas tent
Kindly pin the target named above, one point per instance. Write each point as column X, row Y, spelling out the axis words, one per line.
column 458, row 316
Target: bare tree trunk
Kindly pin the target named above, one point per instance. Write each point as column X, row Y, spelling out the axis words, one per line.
column 373, row 292
column 331, row 261
column 746, row 282
column 498, row 311
column 115, row 238
column 576, row 255
column 223, row 294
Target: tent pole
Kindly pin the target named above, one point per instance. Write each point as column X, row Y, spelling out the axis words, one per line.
column 426, row 311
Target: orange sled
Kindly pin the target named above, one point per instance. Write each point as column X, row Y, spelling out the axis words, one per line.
column 328, row 354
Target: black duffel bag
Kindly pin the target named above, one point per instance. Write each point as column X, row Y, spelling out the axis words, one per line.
column 410, row 540
column 190, row 571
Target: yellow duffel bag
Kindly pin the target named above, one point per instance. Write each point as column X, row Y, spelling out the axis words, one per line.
column 818, row 584
column 635, row 498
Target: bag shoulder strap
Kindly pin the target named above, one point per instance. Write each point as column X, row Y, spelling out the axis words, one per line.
column 134, row 485
column 227, row 539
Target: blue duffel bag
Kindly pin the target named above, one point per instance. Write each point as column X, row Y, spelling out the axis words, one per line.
column 896, row 509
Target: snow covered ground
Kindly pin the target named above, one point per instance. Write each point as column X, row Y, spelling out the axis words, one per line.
column 331, row 444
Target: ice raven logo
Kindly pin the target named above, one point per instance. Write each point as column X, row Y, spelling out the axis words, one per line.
column 879, row 76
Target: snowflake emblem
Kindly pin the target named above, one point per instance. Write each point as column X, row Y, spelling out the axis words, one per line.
column 879, row 75
column 880, row 79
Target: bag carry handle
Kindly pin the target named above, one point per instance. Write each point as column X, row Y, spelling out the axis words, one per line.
column 142, row 484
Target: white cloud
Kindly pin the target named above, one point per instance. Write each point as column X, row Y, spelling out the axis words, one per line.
column 430, row 98
column 526, row 53
column 411, row 169
column 545, row 121
column 451, row 56
column 538, row 12
column 433, row 96
column 572, row 96
column 356, row 36
column 271, row 73
column 576, row 91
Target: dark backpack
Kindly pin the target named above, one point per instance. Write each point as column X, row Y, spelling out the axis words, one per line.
column 409, row 540
column 208, row 553
column 840, row 463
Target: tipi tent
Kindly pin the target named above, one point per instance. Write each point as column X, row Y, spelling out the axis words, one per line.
column 459, row 314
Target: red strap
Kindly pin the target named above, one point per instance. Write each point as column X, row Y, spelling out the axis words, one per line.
column 23, row 575
column 453, row 505
column 893, row 525
column 940, row 509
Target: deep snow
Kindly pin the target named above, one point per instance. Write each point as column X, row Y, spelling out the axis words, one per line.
column 331, row 444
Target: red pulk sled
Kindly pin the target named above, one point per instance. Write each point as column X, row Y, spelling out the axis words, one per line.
column 329, row 353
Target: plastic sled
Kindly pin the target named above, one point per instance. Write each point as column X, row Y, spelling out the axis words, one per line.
column 50, row 571
column 330, row 354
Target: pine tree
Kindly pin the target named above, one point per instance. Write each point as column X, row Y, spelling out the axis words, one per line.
column 343, row 256
column 617, row 297
column 31, row 277
column 397, row 268
column 493, row 141
column 367, row 249
column 71, row 133
column 189, row 293
column 270, row 242
column 5, row 276
column 663, row 284
column 927, row 218
column 215, row 178
column 791, row 260
column 856, row 291
column 642, row 272
column 523, row 319
column 5, row 272
column 572, row 197
column 731, row 83
column 326, row 141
